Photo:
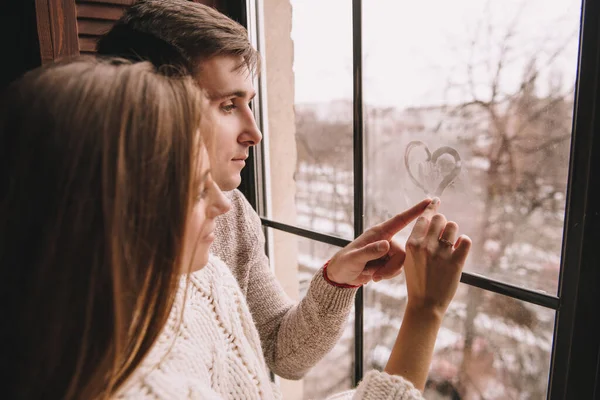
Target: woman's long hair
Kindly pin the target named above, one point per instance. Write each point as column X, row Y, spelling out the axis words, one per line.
column 99, row 165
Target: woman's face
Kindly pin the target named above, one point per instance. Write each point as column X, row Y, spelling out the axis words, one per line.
column 209, row 203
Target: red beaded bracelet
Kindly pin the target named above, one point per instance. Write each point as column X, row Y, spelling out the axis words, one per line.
column 332, row 283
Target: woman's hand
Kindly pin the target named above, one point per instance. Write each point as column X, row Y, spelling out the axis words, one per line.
column 433, row 265
column 434, row 260
column 373, row 254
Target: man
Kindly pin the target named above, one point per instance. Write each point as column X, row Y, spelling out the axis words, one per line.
column 185, row 37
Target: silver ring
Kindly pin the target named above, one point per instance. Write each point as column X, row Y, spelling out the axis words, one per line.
column 446, row 242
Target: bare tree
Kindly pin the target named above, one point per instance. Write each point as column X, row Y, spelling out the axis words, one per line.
column 526, row 147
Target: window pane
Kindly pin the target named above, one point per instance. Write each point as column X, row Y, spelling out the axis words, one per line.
column 333, row 374
column 322, row 164
column 490, row 346
column 338, row 365
column 473, row 103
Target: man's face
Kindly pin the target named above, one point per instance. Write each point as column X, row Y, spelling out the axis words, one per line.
column 234, row 129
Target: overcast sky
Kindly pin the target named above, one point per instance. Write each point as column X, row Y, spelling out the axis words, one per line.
column 413, row 50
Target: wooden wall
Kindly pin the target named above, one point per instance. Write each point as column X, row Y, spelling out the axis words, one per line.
column 96, row 17
column 71, row 27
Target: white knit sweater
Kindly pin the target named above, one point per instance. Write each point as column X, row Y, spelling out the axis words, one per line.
column 212, row 350
column 294, row 336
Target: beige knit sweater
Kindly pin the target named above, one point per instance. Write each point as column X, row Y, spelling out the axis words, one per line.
column 210, row 349
column 294, row 336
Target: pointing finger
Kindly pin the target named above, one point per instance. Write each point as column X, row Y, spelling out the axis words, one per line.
column 393, row 225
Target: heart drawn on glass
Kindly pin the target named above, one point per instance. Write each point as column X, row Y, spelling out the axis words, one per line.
column 431, row 170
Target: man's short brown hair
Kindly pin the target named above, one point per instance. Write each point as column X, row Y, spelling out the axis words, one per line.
column 177, row 33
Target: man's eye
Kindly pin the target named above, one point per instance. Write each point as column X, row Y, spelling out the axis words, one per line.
column 228, row 107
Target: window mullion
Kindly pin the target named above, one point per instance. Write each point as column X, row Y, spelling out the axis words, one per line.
column 358, row 125
column 468, row 278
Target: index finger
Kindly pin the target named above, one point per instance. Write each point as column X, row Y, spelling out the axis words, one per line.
column 393, row 225
column 420, row 228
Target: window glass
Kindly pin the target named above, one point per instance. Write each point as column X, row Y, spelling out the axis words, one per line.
column 472, row 101
column 322, row 71
column 489, row 347
column 338, row 365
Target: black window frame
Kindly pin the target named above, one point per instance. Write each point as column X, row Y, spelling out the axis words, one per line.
column 575, row 360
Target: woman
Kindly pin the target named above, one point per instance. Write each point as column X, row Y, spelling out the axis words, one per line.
column 106, row 218
column 210, row 348
column 101, row 188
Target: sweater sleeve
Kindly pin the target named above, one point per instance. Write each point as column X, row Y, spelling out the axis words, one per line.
column 294, row 337
column 381, row 386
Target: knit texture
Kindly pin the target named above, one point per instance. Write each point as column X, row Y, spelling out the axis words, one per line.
column 294, row 336
column 210, row 349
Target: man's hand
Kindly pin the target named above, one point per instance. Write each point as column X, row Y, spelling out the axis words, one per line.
column 373, row 254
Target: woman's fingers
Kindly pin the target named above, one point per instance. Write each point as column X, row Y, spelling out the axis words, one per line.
column 448, row 237
column 420, row 229
column 438, row 222
column 461, row 249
